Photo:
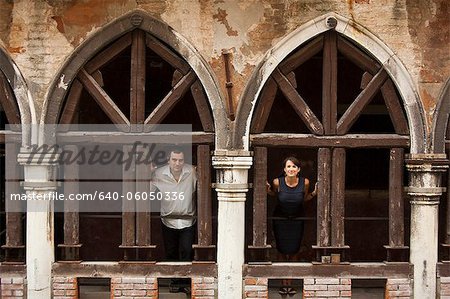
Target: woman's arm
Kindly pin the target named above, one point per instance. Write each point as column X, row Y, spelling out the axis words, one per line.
column 273, row 191
column 309, row 196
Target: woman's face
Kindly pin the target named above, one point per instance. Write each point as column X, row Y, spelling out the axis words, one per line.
column 291, row 169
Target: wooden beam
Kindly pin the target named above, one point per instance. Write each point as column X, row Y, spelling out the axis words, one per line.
column 323, row 196
column 308, row 270
column 108, row 54
column 143, row 207
column 102, row 98
column 129, row 138
column 168, row 55
column 71, row 106
column 396, row 201
column 112, row 269
column 260, row 197
column 8, row 101
column 329, row 84
column 353, row 112
column 394, row 108
column 138, row 77
column 358, row 57
column 203, row 110
column 128, row 206
column 297, row 102
column 347, row 141
column 337, row 205
column 171, row 99
column 265, row 102
column 204, row 201
column 301, row 56
column 262, row 112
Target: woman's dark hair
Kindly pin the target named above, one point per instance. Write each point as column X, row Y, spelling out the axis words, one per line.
column 293, row 160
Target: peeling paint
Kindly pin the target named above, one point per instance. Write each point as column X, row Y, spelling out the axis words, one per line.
column 62, row 84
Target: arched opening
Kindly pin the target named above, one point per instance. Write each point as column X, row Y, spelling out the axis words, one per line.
column 134, row 81
column 334, row 105
column 441, row 144
column 12, row 218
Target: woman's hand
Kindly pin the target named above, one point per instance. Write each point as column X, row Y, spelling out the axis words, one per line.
column 314, row 193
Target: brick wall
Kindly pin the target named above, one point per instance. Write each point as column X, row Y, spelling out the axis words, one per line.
column 203, row 287
column 12, row 287
column 327, row 287
column 256, row 287
column 398, row 288
column 65, row 287
column 445, row 288
column 136, row 287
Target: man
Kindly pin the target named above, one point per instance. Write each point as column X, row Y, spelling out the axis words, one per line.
column 176, row 183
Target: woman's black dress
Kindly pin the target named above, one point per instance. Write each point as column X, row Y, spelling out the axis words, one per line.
column 289, row 231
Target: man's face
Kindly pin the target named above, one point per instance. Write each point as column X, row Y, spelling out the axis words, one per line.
column 176, row 162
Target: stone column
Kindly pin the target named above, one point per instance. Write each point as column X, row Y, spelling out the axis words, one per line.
column 424, row 190
column 39, row 184
column 232, row 175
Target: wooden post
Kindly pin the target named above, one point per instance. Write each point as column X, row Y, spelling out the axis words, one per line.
column 71, row 246
column 338, row 197
column 14, row 247
column 396, row 251
column 329, row 83
column 259, row 248
column 128, row 206
column 204, row 248
column 323, row 197
column 137, row 84
column 143, row 207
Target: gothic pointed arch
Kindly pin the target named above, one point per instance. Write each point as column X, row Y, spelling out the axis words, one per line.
column 15, row 97
column 190, row 72
column 16, row 108
column 440, row 123
column 384, row 58
column 135, row 71
column 331, row 94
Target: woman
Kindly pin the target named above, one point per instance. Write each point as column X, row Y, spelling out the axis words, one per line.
column 292, row 190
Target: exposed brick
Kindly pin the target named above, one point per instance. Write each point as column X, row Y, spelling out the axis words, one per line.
column 197, row 280
column 445, row 280
column 346, row 293
column 339, row 287
column 213, row 280
column 346, row 281
column 133, row 279
column 327, row 280
column 203, row 292
column 134, row 293
column 399, row 293
column 250, row 281
column 17, row 280
column 327, row 293
column 123, row 286
column 315, row 287
column 308, row 281
column 254, row 288
column 152, row 293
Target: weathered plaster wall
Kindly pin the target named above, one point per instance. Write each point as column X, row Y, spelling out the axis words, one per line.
column 41, row 34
